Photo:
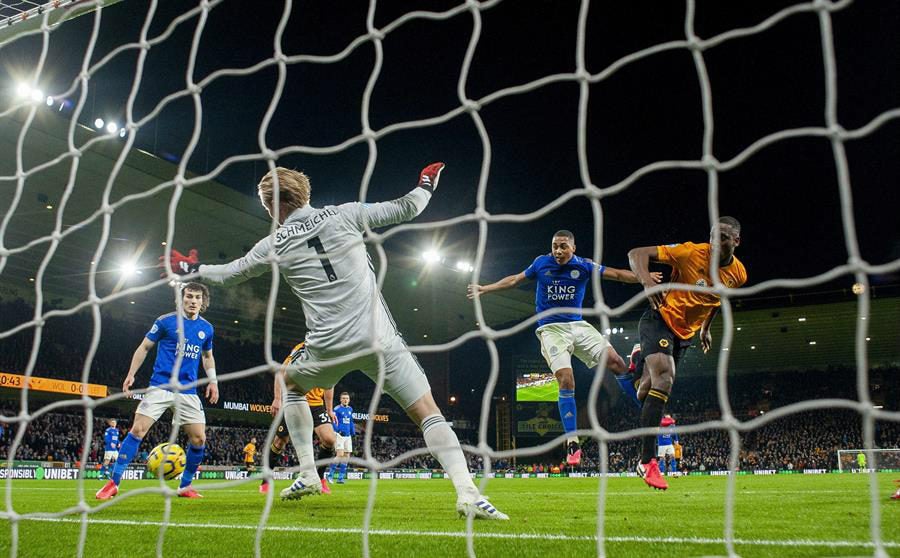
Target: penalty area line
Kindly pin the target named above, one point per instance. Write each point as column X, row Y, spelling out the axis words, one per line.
column 462, row 534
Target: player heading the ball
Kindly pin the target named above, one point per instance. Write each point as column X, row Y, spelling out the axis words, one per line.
column 667, row 329
column 187, row 411
column 561, row 279
column 322, row 256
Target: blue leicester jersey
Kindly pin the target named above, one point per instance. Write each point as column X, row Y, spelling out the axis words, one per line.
column 344, row 425
column 560, row 286
column 198, row 337
column 111, row 439
column 666, row 438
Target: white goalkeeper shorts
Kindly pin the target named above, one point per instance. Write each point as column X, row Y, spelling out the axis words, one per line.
column 559, row 341
column 186, row 407
column 663, row 451
column 343, row 443
column 110, row 455
column 404, row 379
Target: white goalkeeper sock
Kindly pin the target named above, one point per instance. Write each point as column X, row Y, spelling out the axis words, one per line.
column 444, row 446
column 299, row 421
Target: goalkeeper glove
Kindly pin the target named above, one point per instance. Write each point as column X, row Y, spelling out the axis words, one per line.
column 181, row 264
column 429, row 176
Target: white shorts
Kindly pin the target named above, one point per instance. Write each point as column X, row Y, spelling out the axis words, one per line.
column 110, row 455
column 559, row 341
column 343, row 443
column 404, row 380
column 666, row 450
column 186, row 408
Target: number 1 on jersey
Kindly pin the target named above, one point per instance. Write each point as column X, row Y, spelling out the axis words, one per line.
column 314, row 242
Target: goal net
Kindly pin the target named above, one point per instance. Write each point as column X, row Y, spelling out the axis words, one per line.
column 122, row 126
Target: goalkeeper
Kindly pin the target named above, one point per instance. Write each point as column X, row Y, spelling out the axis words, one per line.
column 322, row 256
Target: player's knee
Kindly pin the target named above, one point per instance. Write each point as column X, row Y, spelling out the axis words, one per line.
column 327, row 440
column 566, row 378
column 615, row 363
column 138, row 430
column 198, row 439
column 664, row 381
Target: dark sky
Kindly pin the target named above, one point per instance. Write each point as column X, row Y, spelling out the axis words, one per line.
column 786, row 195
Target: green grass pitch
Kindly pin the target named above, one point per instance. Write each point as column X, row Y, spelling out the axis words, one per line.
column 546, row 392
column 783, row 515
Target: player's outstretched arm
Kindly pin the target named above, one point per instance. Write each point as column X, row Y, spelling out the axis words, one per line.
column 137, row 359
column 628, row 276
column 639, row 261
column 507, row 282
column 402, row 209
column 253, row 264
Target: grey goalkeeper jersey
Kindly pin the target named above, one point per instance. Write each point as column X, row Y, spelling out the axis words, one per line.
column 323, row 258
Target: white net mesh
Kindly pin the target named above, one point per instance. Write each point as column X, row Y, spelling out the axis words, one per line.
column 369, row 137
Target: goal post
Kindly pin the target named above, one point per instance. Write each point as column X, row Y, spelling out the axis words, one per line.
column 861, row 460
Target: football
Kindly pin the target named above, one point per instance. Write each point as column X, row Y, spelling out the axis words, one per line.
column 166, row 460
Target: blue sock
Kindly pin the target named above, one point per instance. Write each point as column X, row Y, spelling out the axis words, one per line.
column 343, row 474
column 126, row 453
column 194, row 457
column 626, row 382
column 568, row 412
column 331, row 470
column 674, row 465
column 662, row 465
column 102, row 471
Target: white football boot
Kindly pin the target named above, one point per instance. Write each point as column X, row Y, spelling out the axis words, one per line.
column 480, row 508
column 298, row 489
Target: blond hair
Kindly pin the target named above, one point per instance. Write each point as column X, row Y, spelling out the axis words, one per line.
column 293, row 188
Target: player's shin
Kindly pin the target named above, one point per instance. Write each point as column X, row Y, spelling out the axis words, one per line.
column 299, row 420
column 126, row 453
column 194, row 457
column 444, row 446
column 651, row 414
column 568, row 411
column 324, row 453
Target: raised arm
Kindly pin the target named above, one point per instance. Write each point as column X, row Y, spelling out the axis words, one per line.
column 507, row 282
column 402, row 209
column 639, row 260
column 137, row 359
column 627, row 276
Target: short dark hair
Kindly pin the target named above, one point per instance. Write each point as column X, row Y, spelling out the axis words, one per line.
column 564, row 233
column 731, row 222
column 194, row 286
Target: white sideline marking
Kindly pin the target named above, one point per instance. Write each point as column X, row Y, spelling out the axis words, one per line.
column 462, row 534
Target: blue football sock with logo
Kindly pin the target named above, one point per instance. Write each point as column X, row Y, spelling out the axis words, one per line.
column 126, row 454
column 568, row 411
column 194, row 457
column 343, row 474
